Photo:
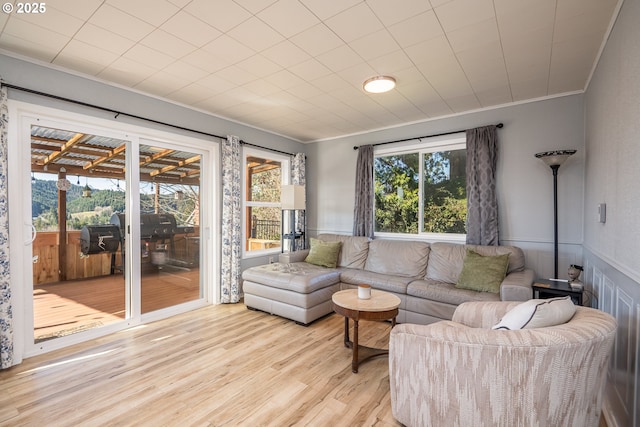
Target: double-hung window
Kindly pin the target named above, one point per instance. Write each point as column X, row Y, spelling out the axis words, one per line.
column 420, row 188
column 264, row 174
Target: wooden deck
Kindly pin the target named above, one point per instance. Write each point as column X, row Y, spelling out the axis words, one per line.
column 63, row 308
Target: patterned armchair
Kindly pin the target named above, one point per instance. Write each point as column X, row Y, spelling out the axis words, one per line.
column 463, row 373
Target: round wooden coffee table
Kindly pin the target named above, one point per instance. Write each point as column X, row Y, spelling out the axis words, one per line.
column 381, row 306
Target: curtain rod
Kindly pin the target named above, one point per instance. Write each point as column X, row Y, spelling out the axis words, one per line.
column 265, row 148
column 499, row 126
column 109, row 110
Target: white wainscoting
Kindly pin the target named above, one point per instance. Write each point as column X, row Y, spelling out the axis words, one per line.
column 618, row 295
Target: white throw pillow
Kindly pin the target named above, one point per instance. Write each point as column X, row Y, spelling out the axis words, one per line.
column 538, row 313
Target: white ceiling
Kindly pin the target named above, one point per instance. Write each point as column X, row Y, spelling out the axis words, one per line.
column 296, row 67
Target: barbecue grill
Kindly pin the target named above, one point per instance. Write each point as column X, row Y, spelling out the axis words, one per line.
column 97, row 239
column 154, row 228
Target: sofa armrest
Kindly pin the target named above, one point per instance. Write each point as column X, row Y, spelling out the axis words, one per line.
column 481, row 314
column 517, row 286
column 297, row 256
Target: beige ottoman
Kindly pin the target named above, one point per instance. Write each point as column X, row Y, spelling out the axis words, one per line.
column 298, row 291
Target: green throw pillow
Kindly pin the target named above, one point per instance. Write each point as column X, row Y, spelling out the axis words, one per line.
column 483, row 273
column 323, row 253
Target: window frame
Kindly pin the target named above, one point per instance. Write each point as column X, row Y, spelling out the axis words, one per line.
column 285, row 177
column 422, row 146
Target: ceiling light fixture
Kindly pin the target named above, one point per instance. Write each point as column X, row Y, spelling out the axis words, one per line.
column 379, row 84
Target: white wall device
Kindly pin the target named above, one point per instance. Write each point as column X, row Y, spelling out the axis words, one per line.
column 602, row 212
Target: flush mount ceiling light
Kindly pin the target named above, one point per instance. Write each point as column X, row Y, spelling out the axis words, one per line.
column 379, row 84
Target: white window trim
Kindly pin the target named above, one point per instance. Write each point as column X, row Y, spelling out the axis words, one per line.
column 285, row 161
column 455, row 141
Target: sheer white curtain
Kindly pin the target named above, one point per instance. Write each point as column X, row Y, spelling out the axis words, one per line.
column 6, row 315
column 231, row 221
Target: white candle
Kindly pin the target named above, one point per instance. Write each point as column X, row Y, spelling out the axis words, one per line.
column 364, row 291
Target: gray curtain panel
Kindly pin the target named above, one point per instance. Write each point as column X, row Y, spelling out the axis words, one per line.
column 482, row 202
column 363, row 207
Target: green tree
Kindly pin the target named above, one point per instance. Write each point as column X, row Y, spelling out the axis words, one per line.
column 396, row 193
column 444, row 192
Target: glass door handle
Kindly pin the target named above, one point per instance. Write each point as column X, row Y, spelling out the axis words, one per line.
column 34, row 233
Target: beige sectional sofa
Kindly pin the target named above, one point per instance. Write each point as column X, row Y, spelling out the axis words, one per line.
column 422, row 274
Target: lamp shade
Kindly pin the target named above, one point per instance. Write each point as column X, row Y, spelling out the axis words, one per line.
column 292, row 197
column 555, row 158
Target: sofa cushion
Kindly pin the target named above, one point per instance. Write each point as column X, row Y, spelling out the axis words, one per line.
column 447, row 292
column 382, row 282
column 516, row 256
column 445, row 262
column 298, row 277
column 538, row 313
column 483, row 273
column 353, row 252
column 324, row 254
column 397, row 257
column 446, row 259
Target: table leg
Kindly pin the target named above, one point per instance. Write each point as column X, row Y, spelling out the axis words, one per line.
column 354, row 362
column 393, row 323
column 347, row 342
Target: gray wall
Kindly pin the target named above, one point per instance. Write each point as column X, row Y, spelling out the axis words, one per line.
column 525, row 184
column 612, row 249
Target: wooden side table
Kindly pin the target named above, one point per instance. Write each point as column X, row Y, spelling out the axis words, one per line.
column 545, row 288
column 381, row 306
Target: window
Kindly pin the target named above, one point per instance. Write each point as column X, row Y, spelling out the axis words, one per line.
column 265, row 173
column 421, row 188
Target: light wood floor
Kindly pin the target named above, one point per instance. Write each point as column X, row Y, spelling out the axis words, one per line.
column 217, row 366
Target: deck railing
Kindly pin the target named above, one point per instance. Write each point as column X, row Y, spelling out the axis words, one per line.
column 265, row 229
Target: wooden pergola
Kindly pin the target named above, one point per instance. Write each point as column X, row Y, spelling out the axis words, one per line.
column 101, row 157
column 66, row 153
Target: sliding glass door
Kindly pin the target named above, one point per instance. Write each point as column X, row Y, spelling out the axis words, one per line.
column 76, row 251
column 116, row 231
column 169, row 226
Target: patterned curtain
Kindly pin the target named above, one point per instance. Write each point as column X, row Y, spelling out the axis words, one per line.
column 298, row 177
column 482, row 202
column 363, row 207
column 298, row 173
column 6, row 315
column 231, row 221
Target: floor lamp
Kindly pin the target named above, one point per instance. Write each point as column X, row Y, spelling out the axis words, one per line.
column 554, row 159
